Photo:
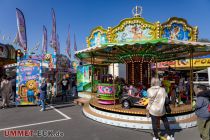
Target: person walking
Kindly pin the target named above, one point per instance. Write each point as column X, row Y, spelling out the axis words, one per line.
column 156, row 108
column 201, row 110
column 6, row 89
column 74, row 89
column 13, row 82
column 65, row 87
column 49, row 91
column 43, row 94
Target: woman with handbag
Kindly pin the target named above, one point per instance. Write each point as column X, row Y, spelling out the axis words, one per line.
column 156, row 108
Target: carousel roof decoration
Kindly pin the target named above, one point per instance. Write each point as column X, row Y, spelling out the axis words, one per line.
column 135, row 39
column 178, row 29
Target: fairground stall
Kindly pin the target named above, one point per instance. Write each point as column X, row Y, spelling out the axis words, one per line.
column 32, row 68
column 7, row 57
column 138, row 44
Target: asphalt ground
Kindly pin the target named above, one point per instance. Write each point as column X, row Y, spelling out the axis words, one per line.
column 68, row 122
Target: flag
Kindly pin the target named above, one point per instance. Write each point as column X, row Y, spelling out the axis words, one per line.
column 75, row 46
column 21, row 29
column 68, row 44
column 44, row 40
column 58, row 44
column 53, row 36
column 15, row 41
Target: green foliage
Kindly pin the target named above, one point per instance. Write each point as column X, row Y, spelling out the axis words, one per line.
column 204, row 40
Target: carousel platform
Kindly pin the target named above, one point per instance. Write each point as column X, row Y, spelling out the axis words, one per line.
column 180, row 118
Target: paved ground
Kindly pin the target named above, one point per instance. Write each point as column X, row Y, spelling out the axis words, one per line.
column 69, row 120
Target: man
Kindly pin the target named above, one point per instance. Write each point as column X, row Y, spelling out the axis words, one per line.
column 6, row 89
column 43, row 94
column 13, row 82
column 201, row 110
column 65, row 86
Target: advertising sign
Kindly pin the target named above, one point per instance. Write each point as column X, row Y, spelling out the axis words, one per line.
column 28, row 82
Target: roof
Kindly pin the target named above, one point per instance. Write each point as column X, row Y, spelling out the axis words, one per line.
column 153, row 50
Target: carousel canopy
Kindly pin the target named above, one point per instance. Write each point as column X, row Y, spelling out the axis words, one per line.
column 152, row 50
column 136, row 40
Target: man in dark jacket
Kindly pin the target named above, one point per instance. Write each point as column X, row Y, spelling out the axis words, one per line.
column 65, row 87
column 201, row 110
column 43, row 94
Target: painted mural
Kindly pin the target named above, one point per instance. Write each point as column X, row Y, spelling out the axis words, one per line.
column 134, row 32
column 84, row 78
column 176, row 32
column 98, row 39
column 29, row 79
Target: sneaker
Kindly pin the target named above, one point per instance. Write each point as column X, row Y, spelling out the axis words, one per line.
column 154, row 138
column 42, row 109
column 170, row 137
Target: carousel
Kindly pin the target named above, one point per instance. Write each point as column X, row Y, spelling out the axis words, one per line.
column 138, row 44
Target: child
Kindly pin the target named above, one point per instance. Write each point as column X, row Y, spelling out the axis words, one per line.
column 144, row 92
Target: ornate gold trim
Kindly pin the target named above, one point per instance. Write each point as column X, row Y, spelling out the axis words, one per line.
column 129, row 21
column 170, row 21
column 97, row 29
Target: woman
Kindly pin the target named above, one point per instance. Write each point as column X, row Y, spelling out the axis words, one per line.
column 156, row 108
column 43, row 94
column 6, row 89
column 201, row 110
column 49, row 91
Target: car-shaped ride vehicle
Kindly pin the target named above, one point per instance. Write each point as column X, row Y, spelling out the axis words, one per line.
column 129, row 101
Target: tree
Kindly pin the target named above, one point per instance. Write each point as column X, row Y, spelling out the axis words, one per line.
column 204, row 40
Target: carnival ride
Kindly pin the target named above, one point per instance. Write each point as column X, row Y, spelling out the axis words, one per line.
column 138, row 43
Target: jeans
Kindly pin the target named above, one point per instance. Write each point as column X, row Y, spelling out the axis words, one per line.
column 43, row 104
column 156, row 122
column 64, row 93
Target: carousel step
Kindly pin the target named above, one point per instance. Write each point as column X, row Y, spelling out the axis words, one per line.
column 141, row 124
column 81, row 101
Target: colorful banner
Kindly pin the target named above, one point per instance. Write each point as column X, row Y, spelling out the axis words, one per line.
column 205, row 62
column 44, row 40
column 58, row 45
column 68, row 44
column 54, row 35
column 29, row 80
column 22, row 39
column 75, row 45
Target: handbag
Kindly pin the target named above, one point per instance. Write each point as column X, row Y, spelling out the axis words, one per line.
column 167, row 106
column 209, row 107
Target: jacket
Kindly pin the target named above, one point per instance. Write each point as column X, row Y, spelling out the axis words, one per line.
column 43, row 92
column 6, row 88
column 156, row 105
column 201, row 107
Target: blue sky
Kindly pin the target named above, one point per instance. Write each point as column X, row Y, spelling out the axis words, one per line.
column 84, row 15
